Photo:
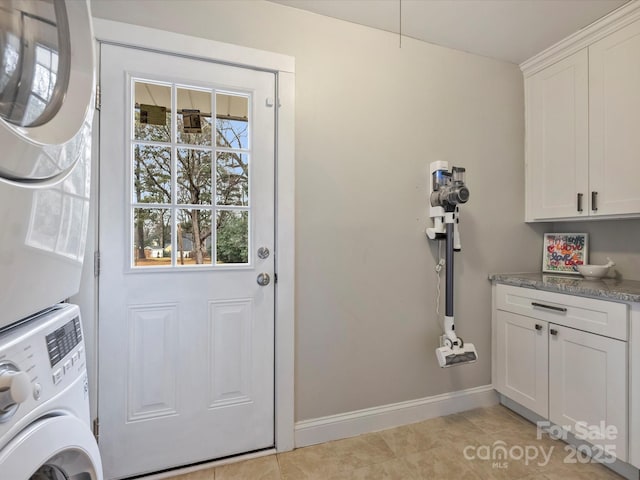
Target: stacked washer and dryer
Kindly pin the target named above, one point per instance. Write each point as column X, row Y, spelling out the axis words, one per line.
column 46, row 95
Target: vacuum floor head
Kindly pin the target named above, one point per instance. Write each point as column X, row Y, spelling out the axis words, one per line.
column 450, row 357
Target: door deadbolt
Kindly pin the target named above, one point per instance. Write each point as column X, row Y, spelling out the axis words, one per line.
column 263, row 279
column 263, row 252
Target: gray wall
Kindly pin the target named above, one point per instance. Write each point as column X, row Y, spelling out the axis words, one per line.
column 370, row 117
column 616, row 239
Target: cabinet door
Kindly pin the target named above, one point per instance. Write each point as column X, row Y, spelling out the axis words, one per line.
column 588, row 384
column 557, row 139
column 522, row 360
column 614, row 95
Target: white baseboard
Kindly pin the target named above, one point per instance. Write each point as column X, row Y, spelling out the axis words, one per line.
column 350, row 424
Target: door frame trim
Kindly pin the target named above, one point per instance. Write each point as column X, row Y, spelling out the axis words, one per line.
column 283, row 66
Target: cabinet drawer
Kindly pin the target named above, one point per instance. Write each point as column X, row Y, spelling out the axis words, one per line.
column 588, row 314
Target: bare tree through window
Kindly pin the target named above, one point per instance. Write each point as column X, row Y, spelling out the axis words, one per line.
column 210, row 194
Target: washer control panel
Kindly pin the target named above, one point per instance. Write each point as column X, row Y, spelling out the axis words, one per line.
column 64, row 339
column 38, row 359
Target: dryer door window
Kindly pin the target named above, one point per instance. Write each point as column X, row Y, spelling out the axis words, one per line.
column 35, row 60
column 46, row 88
column 49, row 472
column 53, row 448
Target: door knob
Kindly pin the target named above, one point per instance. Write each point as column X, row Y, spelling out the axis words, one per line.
column 263, row 279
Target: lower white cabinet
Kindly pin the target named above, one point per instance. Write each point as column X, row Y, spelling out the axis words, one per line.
column 588, row 387
column 573, row 377
column 523, row 361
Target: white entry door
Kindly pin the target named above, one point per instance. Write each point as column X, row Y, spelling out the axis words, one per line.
column 186, row 300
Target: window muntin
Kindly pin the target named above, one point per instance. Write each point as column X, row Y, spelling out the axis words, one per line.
column 182, row 179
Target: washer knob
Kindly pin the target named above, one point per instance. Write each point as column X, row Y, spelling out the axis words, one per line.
column 15, row 388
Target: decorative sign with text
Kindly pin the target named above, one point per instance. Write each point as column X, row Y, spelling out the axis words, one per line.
column 563, row 252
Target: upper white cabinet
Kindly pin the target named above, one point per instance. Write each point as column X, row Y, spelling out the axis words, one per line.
column 614, row 122
column 558, row 139
column 582, row 101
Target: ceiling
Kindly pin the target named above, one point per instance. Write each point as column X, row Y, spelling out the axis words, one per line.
column 510, row 30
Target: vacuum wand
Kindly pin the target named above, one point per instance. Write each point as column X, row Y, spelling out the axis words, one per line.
column 448, row 262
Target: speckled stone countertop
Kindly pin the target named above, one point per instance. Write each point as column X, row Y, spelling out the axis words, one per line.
column 607, row 288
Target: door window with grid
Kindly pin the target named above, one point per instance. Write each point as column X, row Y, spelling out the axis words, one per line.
column 190, row 172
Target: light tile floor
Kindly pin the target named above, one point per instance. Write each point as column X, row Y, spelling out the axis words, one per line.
column 433, row 449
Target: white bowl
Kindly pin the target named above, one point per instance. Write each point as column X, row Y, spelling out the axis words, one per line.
column 595, row 271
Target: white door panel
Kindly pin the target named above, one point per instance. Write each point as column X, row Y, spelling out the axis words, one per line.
column 186, row 199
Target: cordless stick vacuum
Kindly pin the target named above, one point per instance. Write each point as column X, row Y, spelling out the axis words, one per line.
column 447, row 191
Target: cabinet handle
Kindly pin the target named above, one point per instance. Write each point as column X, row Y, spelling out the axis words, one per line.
column 594, row 201
column 550, row 307
column 553, row 331
column 580, row 195
column 538, row 327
